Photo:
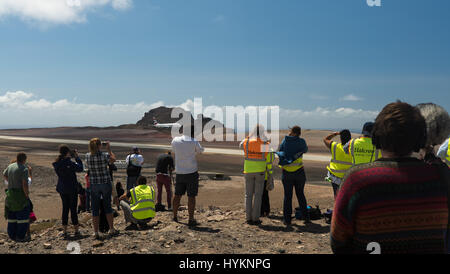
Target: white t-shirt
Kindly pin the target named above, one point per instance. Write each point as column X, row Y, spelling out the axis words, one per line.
column 185, row 149
column 136, row 159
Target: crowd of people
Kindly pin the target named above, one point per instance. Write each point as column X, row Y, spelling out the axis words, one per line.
column 382, row 192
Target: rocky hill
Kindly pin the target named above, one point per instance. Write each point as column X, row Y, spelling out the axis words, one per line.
column 163, row 115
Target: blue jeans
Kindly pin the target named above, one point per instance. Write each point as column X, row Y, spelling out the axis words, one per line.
column 294, row 180
column 18, row 223
column 131, row 182
column 88, row 199
column 104, row 191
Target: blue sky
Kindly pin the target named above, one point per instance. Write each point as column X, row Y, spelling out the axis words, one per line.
column 304, row 55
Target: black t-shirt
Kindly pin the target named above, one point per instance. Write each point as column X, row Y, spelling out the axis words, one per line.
column 163, row 163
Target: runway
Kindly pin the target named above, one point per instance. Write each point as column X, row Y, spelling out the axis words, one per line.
column 208, row 150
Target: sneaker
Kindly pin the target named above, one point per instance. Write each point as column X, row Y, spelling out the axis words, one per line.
column 114, row 232
column 132, row 227
column 97, row 236
column 249, row 222
column 287, row 223
column 192, row 223
column 258, row 222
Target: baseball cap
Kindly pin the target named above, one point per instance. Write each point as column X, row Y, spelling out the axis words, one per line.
column 367, row 128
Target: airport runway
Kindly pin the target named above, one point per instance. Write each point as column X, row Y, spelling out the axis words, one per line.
column 208, row 150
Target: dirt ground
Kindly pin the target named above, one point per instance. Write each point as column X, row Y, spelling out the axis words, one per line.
column 214, row 195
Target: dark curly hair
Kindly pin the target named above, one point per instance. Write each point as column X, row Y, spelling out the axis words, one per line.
column 399, row 128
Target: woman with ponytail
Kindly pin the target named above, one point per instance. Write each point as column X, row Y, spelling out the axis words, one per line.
column 67, row 186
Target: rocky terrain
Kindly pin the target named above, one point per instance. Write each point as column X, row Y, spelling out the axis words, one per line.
column 221, row 230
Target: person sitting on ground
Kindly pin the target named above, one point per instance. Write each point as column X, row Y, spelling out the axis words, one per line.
column 398, row 201
column 138, row 204
column 134, row 167
column 17, row 205
column 185, row 148
column 68, row 186
column 164, row 168
column 340, row 161
column 101, row 183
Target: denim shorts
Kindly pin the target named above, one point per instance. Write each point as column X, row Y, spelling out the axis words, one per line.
column 104, row 191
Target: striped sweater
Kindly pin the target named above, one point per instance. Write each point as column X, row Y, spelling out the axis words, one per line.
column 399, row 203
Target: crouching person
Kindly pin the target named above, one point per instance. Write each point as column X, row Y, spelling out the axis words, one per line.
column 138, row 204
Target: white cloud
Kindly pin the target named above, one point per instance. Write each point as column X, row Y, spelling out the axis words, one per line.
column 24, row 109
column 351, row 97
column 57, row 11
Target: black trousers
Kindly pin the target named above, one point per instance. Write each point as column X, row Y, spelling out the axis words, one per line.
column 69, row 203
column 265, row 204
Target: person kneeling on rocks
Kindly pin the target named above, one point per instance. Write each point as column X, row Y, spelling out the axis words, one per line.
column 138, row 204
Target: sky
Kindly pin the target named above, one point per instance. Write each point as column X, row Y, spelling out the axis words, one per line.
column 324, row 63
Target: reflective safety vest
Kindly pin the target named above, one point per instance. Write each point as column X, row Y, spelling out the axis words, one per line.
column 447, row 159
column 340, row 161
column 256, row 155
column 294, row 166
column 363, row 151
column 269, row 166
column 143, row 202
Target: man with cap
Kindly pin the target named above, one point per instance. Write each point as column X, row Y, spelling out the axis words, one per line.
column 134, row 166
column 361, row 149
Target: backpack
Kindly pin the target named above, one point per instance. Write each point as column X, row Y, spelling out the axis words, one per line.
column 132, row 170
column 314, row 213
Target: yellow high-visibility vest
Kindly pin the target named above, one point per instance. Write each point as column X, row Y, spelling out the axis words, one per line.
column 340, row 161
column 269, row 165
column 447, row 160
column 294, row 166
column 363, row 151
column 256, row 155
column 143, row 202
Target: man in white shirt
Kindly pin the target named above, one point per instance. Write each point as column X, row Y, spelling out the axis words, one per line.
column 134, row 166
column 186, row 148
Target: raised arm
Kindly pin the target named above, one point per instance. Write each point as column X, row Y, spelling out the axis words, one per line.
column 328, row 140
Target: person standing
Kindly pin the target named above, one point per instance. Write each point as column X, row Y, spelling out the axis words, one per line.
column 361, row 149
column 291, row 153
column 17, row 205
column 164, row 168
column 340, row 161
column 268, row 181
column 88, row 192
column 257, row 158
column 101, row 184
column 134, row 167
column 67, row 186
column 185, row 148
column 398, row 201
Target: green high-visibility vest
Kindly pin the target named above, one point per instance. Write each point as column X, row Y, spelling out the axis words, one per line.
column 143, row 202
column 363, row 151
column 340, row 161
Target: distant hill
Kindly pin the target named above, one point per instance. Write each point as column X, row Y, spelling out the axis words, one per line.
column 163, row 115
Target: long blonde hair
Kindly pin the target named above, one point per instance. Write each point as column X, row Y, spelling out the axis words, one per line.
column 94, row 143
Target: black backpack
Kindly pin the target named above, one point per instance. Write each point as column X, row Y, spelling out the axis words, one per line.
column 132, row 170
